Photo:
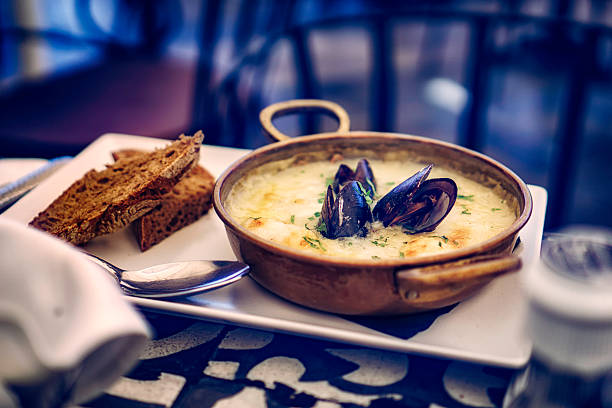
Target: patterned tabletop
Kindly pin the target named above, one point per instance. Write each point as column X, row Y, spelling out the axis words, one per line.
column 193, row 363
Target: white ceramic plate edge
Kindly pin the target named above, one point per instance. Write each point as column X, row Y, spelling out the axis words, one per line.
column 247, row 304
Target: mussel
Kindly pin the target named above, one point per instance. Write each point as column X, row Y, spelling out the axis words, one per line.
column 345, row 215
column 417, row 204
column 363, row 174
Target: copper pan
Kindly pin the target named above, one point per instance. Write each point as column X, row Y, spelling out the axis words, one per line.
column 372, row 287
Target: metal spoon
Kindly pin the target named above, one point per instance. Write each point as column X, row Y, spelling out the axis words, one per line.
column 174, row 279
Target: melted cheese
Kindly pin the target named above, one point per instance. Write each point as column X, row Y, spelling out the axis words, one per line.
column 283, row 205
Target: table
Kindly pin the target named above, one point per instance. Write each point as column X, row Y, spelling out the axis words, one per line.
column 193, row 363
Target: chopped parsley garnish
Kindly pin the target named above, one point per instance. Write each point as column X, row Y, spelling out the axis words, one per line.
column 329, row 181
column 495, row 209
column 375, row 257
column 466, row 197
column 372, row 186
column 440, row 244
column 442, row 237
column 255, row 218
column 380, row 241
column 292, row 219
column 401, row 254
column 320, row 200
column 465, row 210
column 321, row 227
column 390, row 183
column 364, row 193
column 317, row 214
column 314, row 243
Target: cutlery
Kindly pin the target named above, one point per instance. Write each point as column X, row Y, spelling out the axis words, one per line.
column 11, row 192
column 175, row 279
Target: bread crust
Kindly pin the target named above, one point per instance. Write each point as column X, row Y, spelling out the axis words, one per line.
column 104, row 201
column 188, row 200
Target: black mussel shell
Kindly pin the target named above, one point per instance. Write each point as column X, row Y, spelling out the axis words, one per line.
column 363, row 174
column 327, row 212
column 343, row 176
column 347, row 215
column 396, row 202
column 429, row 206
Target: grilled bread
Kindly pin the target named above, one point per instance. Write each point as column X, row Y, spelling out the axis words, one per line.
column 188, row 200
column 104, row 201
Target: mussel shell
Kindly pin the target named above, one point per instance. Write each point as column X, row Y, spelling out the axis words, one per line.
column 433, row 201
column 395, row 203
column 343, row 176
column 327, row 211
column 347, row 215
column 363, row 174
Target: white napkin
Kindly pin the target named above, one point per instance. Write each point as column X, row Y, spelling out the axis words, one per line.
column 66, row 332
column 12, row 169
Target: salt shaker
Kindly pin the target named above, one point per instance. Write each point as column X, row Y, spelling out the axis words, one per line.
column 569, row 320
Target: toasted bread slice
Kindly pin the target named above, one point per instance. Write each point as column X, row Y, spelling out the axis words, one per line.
column 104, row 201
column 188, row 200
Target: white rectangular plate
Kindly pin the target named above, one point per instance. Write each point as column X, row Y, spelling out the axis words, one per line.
column 487, row 328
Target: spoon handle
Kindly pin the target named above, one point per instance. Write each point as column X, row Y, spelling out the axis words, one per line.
column 110, row 268
column 175, row 279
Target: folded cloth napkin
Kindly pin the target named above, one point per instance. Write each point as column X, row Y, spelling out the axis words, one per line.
column 66, row 332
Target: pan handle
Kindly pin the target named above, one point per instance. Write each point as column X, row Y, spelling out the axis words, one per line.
column 455, row 274
column 300, row 105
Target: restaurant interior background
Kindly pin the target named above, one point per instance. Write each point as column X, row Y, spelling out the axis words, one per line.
column 526, row 82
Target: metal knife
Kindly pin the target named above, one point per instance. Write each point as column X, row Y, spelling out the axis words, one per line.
column 11, row 192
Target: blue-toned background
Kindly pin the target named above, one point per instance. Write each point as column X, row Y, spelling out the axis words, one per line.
column 527, row 82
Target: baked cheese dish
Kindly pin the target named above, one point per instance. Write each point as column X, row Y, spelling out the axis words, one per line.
column 282, row 202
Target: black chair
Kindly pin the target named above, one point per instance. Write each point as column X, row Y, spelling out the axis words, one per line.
column 497, row 43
